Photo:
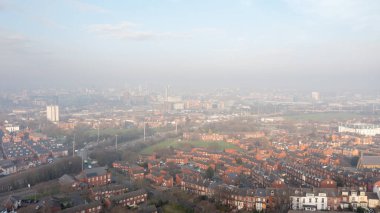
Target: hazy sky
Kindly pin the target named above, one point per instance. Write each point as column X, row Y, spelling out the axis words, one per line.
column 258, row 43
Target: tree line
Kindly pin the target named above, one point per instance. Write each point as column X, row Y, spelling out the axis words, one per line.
column 69, row 165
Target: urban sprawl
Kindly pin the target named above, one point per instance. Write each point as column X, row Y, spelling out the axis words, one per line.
column 162, row 150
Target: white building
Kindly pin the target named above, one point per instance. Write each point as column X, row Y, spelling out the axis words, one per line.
column 361, row 129
column 52, row 113
column 315, row 96
column 179, row 106
column 358, row 199
column 271, row 119
column 12, row 128
column 373, row 200
column 7, row 167
column 376, row 188
column 309, row 202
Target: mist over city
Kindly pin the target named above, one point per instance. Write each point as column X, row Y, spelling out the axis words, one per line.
column 166, row 106
column 257, row 44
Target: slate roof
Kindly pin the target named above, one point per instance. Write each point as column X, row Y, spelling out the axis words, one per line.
column 370, row 160
column 82, row 207
column 128, row 195
column 66, row 180
column 93, row 172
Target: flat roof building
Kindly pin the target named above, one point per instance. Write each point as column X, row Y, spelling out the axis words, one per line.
column 360, row 128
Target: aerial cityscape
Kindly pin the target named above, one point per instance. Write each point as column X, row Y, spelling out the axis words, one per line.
column 182, row 106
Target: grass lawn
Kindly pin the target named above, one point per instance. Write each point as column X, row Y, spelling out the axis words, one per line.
column 327, row 116
column 173, row 208
column 219, row 146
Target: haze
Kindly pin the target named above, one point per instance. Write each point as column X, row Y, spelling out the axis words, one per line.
column 303, row 44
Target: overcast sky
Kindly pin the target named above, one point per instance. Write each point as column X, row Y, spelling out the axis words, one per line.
column 259, row 43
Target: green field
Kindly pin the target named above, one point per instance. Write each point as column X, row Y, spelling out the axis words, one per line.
column 173, row 208
column 219, row 146
column 323, row 117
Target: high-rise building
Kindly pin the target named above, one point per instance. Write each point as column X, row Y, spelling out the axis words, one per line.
column 315, row 96
column 52, row 113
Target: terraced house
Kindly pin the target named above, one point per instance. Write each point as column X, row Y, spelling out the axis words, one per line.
column 131, row 198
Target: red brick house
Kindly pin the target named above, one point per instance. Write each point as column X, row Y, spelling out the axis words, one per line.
column 97, row 176
column 136, row 172
column 131, row 198
column 328, row 183
column 123, row 166
column 177, row 160
column 94, row 207
column 98, row 193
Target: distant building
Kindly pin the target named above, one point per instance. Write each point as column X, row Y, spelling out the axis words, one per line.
column 315, row 96
column 12, row 128
column 271, row 119
column 7, row 167
column 178, row 106
column 52, row 113
column 361, row 129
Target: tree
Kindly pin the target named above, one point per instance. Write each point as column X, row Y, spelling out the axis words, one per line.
column 339, row 182
column 209, row 173
column 106, row 157
column 361, row 210
column 239, row 161
column 129, row 156
column 354, row 161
